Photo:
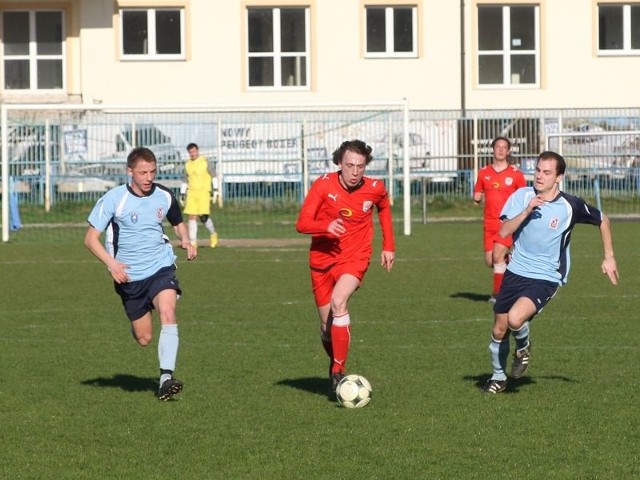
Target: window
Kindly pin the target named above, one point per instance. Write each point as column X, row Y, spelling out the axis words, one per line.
column 278, row 43
column 391, row 31
column 153, row 34
column 619, row 28
column 508, row 45
column 33, row 50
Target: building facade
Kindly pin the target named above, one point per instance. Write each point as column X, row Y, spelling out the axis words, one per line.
column 438, row 54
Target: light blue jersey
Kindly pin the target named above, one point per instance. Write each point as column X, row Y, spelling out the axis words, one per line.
column 541, row 244
column 133, row 228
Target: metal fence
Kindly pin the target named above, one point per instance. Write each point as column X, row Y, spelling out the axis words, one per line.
column 56, row 160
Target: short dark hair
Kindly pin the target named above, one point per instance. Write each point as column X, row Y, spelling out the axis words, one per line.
column 356, row 146
column 191, row 145
column 561, row 165
column 495, row 140
column 140, row 153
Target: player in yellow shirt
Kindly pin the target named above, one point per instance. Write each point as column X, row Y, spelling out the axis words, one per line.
column 198, row 195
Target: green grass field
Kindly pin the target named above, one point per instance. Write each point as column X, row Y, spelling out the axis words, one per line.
column 77, row 393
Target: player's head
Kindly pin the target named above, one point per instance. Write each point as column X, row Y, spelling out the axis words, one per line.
column 352, row 157
column 550, row 169
column 141, row 167
column 192, row 148
column 561, row 165
column 501, row 139
column 355, row 146
column 140, row 154
column 501, row 148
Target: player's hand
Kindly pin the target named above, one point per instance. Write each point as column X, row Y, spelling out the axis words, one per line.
column 387, row 259
column 119, row 272
column 336, row 227
column 535, row 202
column 610, row 269
column 192, row 252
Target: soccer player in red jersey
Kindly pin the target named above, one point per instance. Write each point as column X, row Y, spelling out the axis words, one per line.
column 338, row 213
column 496, row 182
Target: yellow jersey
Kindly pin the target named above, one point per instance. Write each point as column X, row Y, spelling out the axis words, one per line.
column 198, row 177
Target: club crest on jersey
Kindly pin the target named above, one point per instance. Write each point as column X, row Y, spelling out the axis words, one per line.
column 134, row 217
column 508, row 181
column 346, row 212
column 160, row 214
column 366, row 206
column 554, row 223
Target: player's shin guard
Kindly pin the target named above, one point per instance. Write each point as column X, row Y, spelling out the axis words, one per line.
column 193, row 231
column 209, row 226
column 499, row 353
column 340, row 340
column 522, row 336
column 498, row 275
column 168, row 347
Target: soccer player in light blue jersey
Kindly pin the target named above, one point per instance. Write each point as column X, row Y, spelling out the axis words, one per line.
column 541, row 219
column 140, row 258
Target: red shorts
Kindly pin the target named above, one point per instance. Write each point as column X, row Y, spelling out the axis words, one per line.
column 323, row 281
column 491, row 236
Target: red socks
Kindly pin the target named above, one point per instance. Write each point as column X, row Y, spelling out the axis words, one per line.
column 340, row 339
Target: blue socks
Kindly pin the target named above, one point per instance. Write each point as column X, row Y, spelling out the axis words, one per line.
column 499, row 354
column 168, row 347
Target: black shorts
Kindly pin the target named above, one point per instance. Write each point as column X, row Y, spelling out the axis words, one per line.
column 515, row 286
column 137, row 297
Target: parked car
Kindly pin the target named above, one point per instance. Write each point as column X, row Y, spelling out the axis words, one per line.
column 418, row 152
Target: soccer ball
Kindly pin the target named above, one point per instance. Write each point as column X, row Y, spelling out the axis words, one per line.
column 353, row 391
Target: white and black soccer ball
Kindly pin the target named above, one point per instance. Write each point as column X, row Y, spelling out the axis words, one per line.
column 353, row 391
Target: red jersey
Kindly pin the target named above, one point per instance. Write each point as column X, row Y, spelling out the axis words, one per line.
column 327, row 200
column 497, row 187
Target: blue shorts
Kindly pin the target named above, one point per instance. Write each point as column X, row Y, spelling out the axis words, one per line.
column 137, row 297
column 515, row 286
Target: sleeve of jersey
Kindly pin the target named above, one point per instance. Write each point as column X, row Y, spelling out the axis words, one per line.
column 174, row 214
column 100, row 216
column 307, row 222
column 478, row 187
column 513, row 206
column 584, row 212
column 386, row 224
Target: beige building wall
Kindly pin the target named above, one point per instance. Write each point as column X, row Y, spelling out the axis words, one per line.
column 214, row 71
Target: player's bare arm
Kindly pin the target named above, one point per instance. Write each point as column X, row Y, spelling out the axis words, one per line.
column 609, row 265
column 117, row 270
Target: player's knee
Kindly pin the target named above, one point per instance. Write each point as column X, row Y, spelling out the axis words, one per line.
column 204, row 218
column 143, row 340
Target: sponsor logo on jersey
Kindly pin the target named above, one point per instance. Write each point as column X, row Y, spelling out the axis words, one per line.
column 495, row 184
column 333, row 196
column 366, row 206
column 346, row 212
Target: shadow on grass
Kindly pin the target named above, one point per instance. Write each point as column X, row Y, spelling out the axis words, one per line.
column 474, row 297
column 128, row 383
column 513, row 385
column 315, row 385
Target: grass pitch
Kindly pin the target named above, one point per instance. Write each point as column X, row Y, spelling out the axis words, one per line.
column 77, row 394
